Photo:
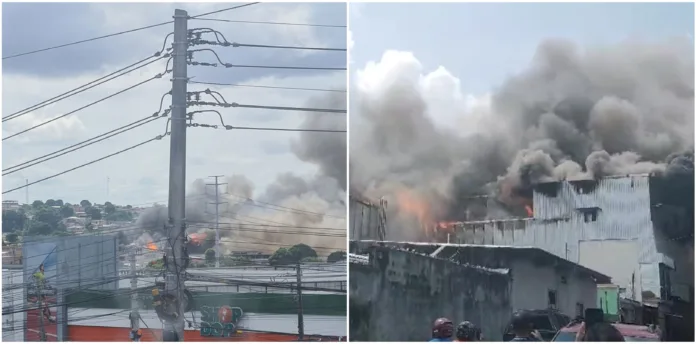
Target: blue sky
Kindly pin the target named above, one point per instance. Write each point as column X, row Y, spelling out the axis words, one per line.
column 140, row 176
column 482, row 44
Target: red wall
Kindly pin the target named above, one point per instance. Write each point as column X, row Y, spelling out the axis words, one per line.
column 119, row 334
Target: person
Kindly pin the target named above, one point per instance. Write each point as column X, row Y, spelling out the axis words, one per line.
column 523, row 329
column 468, row 332
column 443, row 329
column 599, row 332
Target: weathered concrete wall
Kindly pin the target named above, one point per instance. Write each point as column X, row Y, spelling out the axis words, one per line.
column 399, row 294
column 363, row 222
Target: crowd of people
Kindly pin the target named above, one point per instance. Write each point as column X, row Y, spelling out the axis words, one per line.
column 443, row 331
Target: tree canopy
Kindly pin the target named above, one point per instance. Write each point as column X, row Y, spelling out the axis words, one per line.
column 293, row 255
column 85, row 203
column 109, row 208
column 13, row 221
column 336, row 256
column 37, row 204
column 210, row 255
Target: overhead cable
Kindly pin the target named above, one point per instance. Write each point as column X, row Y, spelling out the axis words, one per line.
column 158, row 76
column 158, row 137
column 271, row 23
column 230, row 65
column 264, row 86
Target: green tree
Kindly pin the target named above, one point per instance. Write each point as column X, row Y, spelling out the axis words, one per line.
column 94, row 213
column 85, row 203
column 336, row 256
column 210, row 255
column 66, row 211
column 281, row 256
column 39, row 228
column 12, row 238
column 59, row 202
column 109, row 208
column 12, row 221
column 129, row 207
column 50, row 202
column 37, row 204
column 49, row 216
column 119, row 216
column 302, row 251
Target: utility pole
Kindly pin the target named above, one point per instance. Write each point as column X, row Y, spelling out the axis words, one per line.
column 300, row 316
column 217, row 219
column 134, row 315
column 174, row 282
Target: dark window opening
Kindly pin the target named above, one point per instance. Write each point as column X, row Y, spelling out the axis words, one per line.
column 665, row 282
column 552, row 299
column 589, row 214
column 579, row 310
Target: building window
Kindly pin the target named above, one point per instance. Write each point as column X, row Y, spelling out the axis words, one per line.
column 665, row 282
column 552, row 299
column 589, row 214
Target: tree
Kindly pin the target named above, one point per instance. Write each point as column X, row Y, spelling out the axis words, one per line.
column 301, row 251
column 85, row 203
column 336, row 256
column 94, row 213
column 40, row 228
column 59, row 202
column 49, row 216
column 66, row 211
column 109, row 208
column 50, row 202
column 129, row 207
column 12, row 238
column 37, row 204
column 281, row 256
column 12, row 221
column 210, row 255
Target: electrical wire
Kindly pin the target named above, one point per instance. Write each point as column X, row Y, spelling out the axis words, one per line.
column 159, row 137
column 230, row 65
column 268, row 87
column 271, row 23
column 67, row 150
column 223, row 10
column 273, row 129
column 249, row 106
column 158, row 76
column 226, row 43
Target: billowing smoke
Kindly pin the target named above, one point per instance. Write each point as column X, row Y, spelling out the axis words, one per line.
column 571, row 114
column 290, row 208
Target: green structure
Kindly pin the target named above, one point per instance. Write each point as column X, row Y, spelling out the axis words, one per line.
column 608, row 301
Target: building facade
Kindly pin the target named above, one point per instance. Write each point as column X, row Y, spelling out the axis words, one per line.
column 620, row 226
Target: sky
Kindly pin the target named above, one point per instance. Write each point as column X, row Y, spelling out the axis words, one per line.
column 140, row 176
column 482, row 44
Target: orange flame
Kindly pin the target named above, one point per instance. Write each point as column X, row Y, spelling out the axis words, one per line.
column 446, row 226
column 151, row 246
column 530, row 211
column 409, row 203
column 197, row 238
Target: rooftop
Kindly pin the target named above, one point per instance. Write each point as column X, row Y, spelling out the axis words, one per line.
column 480, row 255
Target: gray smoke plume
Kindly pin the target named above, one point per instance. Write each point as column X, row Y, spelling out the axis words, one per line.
column 572, row 114
column 287, row 211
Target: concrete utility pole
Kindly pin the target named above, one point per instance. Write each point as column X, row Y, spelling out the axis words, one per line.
column 217, row 219
column 300, row 316
column 174, row 282
column 134, row 315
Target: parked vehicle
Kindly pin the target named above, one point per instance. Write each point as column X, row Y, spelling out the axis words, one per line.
column 631, row 333
column 546, row 321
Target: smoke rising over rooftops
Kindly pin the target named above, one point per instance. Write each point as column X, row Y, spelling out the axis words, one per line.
column 571, row 114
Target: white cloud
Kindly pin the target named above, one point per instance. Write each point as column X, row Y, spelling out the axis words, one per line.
column 213, row 151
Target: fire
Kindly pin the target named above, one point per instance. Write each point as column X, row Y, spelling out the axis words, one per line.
column 197, row 238
column 446, row 226
column 530, row 211
column 151, row 246
column 409, row 203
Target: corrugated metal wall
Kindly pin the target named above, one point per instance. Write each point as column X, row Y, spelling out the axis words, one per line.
column 558, row 226
column 364, row 219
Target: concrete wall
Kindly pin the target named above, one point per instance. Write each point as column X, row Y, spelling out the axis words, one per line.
column 399, row 294
column 363, row 222
column 531, row 284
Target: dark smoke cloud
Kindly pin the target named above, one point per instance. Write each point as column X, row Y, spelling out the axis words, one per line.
column 572, row 114
column 291, row 200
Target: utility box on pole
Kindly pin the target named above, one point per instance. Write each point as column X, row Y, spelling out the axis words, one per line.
column 175, row 260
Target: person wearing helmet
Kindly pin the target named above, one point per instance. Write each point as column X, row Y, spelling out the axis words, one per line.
column 523, row 328
column 468, row 332
column 443, row 329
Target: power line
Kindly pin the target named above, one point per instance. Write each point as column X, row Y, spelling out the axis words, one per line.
column 199, row 41
column 230, row 65
column 60, row 96
column 67, row 150
column 222, row 10
column 269, row 87
column 92, row 103
column 159, row 137
column 118, row 33
column 230, row 127
column 268, row 107
column 271, row 23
